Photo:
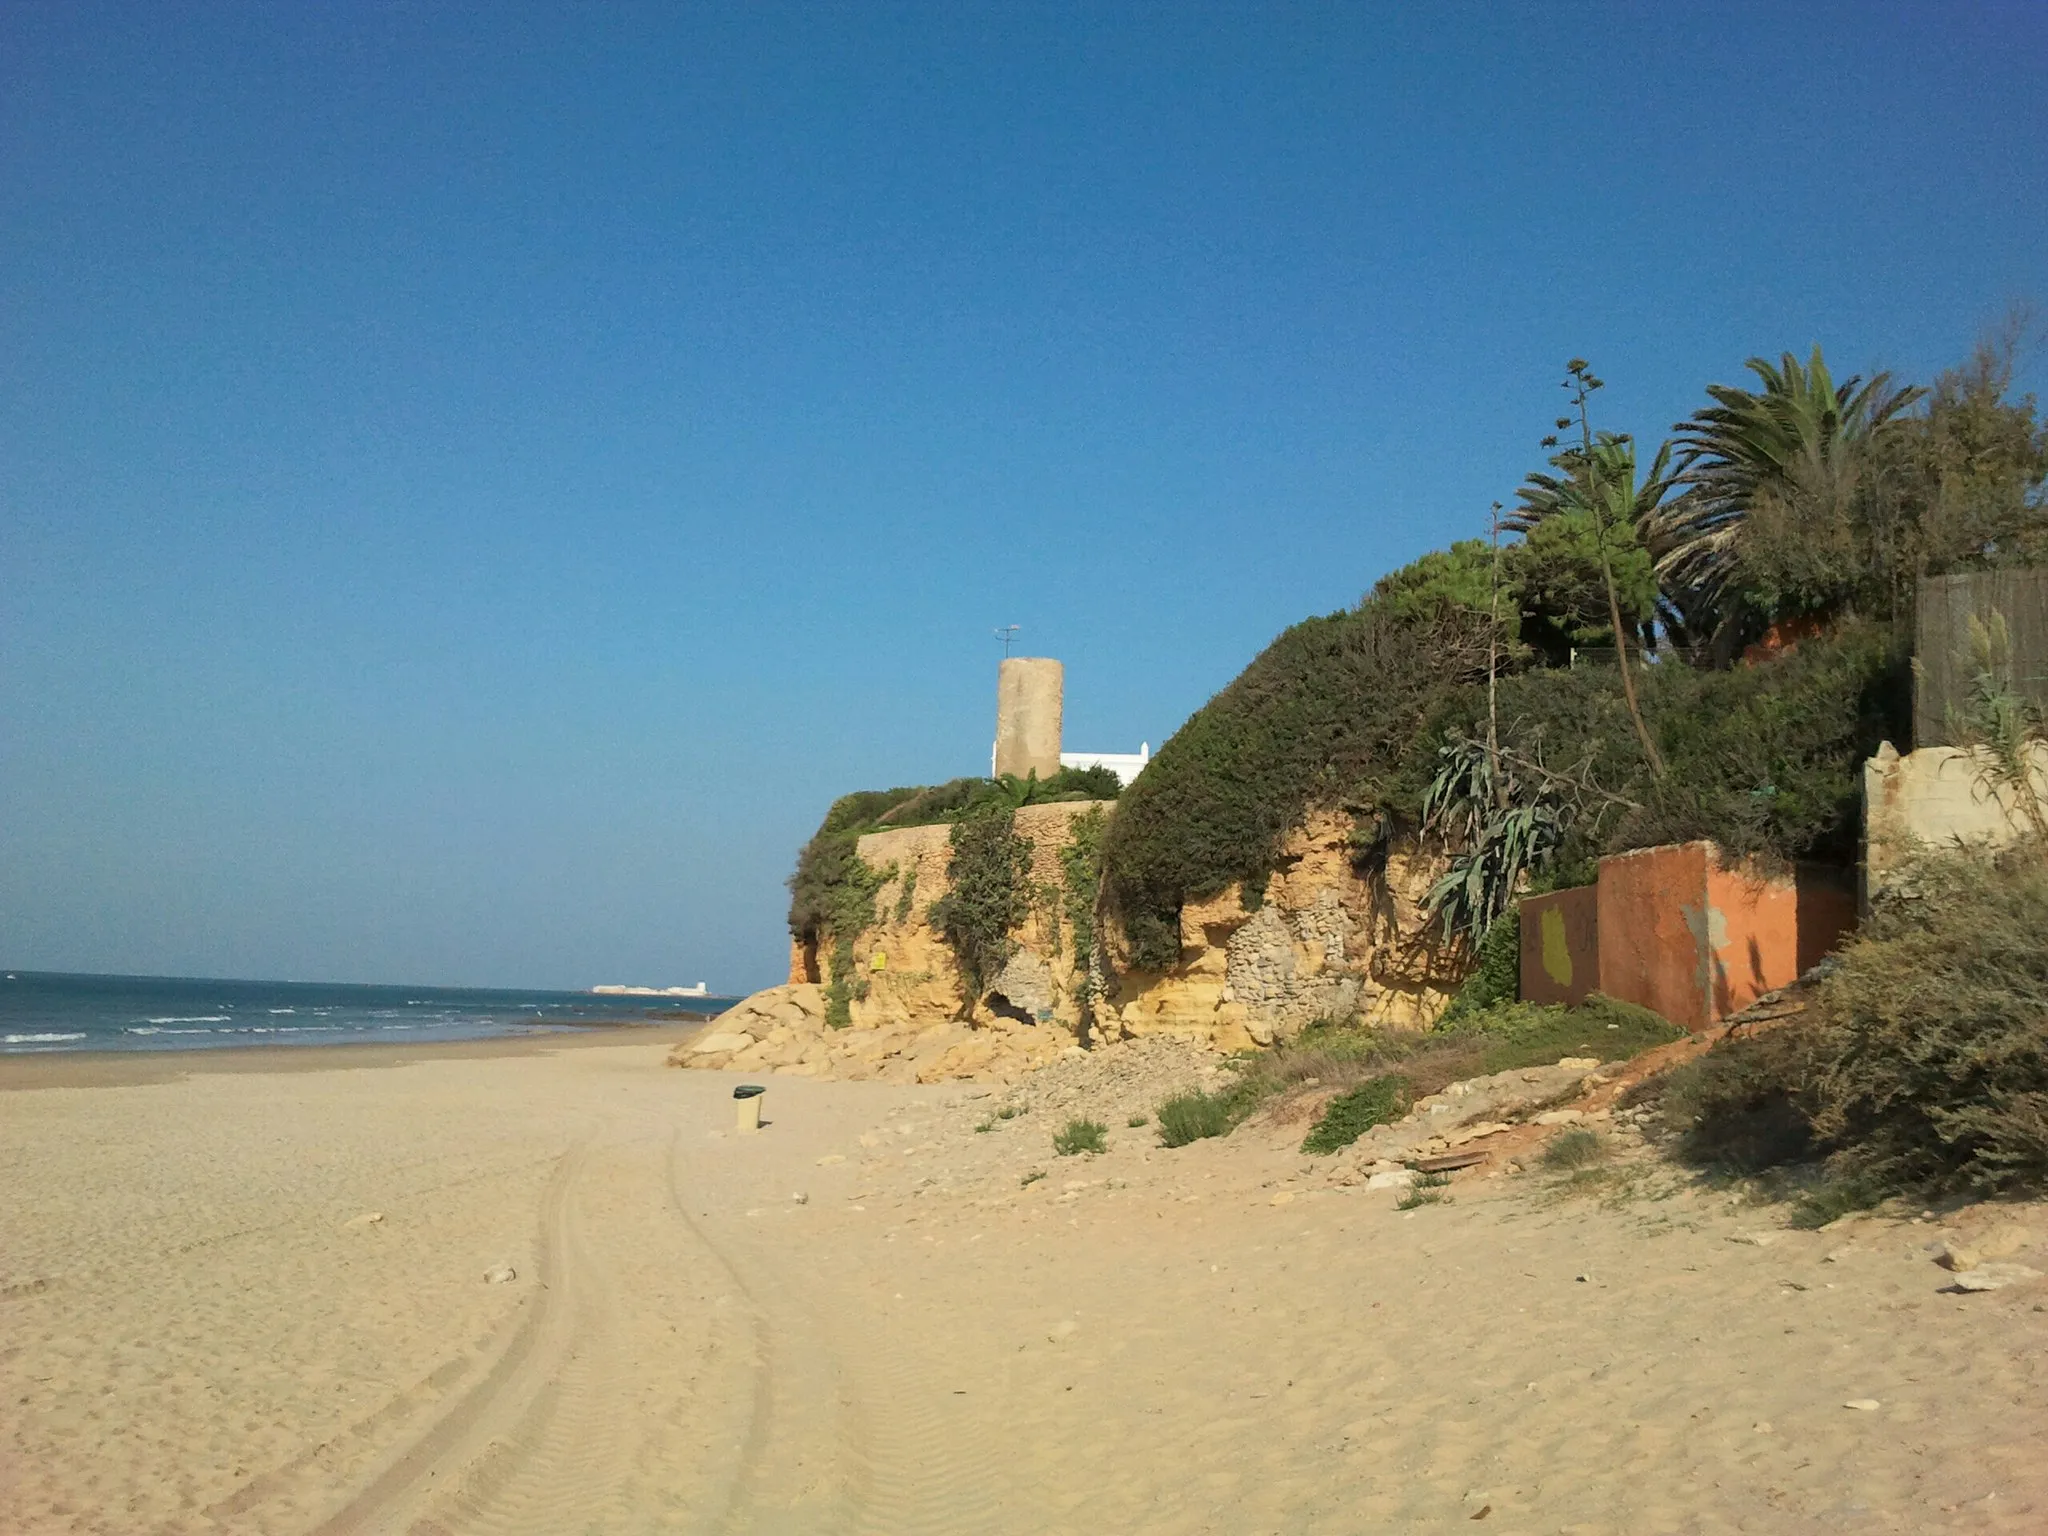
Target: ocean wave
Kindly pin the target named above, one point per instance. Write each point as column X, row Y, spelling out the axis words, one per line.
column 200, row 1018
column 283, row 1010
column 46, row 1039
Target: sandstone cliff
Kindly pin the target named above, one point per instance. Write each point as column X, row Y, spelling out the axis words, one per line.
column 1331, row 937
column 908, row 969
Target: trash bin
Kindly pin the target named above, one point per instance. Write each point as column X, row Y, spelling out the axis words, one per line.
column 747, row 1106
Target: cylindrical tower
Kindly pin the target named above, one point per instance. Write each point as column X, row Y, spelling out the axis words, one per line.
column 1029, row 697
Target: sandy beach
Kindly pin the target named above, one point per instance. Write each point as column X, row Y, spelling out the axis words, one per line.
column 243, row 1298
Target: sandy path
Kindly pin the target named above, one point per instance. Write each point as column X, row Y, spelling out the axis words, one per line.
column 194, row 1337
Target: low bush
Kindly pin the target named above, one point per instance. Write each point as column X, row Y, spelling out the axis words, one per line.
column 1930, row 1051
column 1346, row 1057
column 1512, row 1035
column 1081, row 1136
column 1569, row 1151
column 1496, row 971
column 1922, row 1063
column 1192, row 1117
column 1428, row 1189
column 1831, row 1199
column 1377, row 1101
column 1746, row 1105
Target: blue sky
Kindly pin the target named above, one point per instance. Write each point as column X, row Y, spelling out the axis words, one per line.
column 476, row 482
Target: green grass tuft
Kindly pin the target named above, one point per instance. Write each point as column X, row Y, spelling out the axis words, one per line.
column 1571, row 1150
column 1081, row 1136
column 1192, row 1117
column 1428, row 1189
column 1377, row 1101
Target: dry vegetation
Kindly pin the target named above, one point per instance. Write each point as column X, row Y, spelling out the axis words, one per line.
column 1922, row 1064
column 1377, row 1073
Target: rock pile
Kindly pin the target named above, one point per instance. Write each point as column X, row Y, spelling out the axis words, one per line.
column 1114, row 1082
column 783, row 1030
column 1468, row 1112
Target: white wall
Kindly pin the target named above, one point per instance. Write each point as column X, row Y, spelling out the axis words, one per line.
column 1125, row 765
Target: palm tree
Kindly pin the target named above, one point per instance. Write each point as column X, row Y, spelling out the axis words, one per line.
column 1599, row 484
column 1611, row 465
column 1800, row 432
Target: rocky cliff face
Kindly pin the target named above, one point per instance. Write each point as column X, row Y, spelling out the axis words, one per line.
column 1330, row 938
column 909, row 969
column 907, row 1004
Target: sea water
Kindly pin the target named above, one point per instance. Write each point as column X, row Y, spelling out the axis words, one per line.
column 50, row 1011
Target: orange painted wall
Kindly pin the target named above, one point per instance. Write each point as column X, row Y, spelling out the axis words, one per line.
column 1697, row 938
column 1560, row 946
column 1652, row 923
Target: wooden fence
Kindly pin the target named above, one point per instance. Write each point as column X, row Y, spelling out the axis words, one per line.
column 1943, row 667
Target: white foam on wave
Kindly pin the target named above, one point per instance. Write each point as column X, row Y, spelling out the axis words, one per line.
column 44, row 1039
column 198, row 1018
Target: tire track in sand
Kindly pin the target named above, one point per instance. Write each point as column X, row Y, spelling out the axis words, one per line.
column 796, row 1466
column 396, row 1496
column 502, row 1402
column 849, row 1429
column 587, row 1420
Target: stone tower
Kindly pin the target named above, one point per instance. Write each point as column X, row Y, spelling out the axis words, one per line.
column 1029, row 694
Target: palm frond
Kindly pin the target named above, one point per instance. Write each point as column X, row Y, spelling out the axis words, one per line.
column 1800, row 426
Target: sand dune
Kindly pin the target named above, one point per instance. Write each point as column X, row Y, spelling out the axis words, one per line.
column 203, row 1333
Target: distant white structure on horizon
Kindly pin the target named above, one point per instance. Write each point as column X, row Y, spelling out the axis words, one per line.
column 1125, row 765
column 699, row 990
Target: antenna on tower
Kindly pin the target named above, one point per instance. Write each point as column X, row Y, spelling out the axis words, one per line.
column 1008, row 634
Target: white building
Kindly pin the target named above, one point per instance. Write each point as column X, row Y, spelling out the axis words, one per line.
column 1125, row 765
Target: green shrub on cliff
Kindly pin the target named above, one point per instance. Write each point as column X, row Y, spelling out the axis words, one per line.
column 1764, row 759
column 1376, row 1101
column 829, row 863
column 1496, row 973
column 1329, row 713
column 989, row 880
column 1349, row 711
column 826, row 867
column 1080, row 880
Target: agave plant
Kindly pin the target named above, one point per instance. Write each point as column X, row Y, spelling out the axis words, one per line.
column 1800, row 431
column 1502, row 826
